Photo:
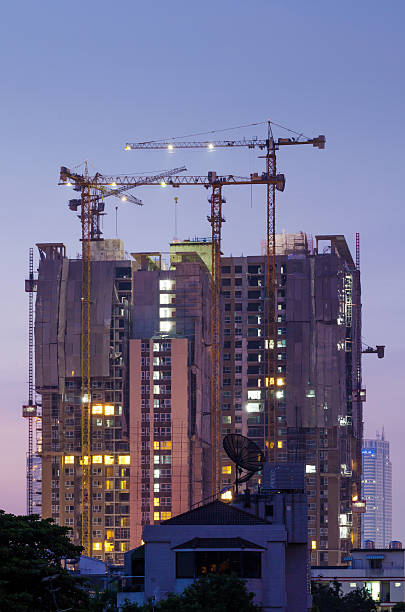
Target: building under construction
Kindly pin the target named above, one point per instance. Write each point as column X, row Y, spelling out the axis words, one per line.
column 150, row 364
column 150, row 454
column 317, row 417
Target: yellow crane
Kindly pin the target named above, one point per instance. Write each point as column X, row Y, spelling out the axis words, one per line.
column 93, row 189
column 270, row 146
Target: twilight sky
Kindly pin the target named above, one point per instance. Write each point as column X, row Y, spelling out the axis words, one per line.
column 80, row 79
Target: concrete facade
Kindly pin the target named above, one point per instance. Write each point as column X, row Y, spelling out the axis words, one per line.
column 270, row 529
column 131, row 301
column 318, row 415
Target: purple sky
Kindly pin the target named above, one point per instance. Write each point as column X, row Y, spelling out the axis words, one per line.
column 79, row 80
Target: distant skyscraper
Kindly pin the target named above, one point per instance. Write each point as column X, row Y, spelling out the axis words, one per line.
column 377, row 491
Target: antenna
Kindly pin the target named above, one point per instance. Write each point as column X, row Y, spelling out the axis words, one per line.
column 176, row 199
column 245, row 454
column 116, row 221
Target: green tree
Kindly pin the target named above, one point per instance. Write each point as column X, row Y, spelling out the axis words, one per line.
column 358, row 600
column 399, row 607
column 210, row 593
column 329, row 598
column 31, row 573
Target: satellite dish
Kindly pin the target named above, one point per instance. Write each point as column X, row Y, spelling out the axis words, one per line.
column 245, row 454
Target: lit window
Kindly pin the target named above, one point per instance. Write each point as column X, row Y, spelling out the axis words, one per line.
column 279, row 394
column 166, row 298
column 109, row 459
column 310, row 469
column 156, row 389
column 254, row 406
column 156, row 459
column 156, row 516
column 69, row 459
column 98, row 409
column 108, row 546
column 353, row 585
column 227, row 495
column 109, row 484
column 253, row 394
column 99, row 422
column 124, row 459
column 227, row 419
column 156, row 501
column 124, row 484
column 108, row 410
column 156, row 346
column 280, row 444
column 109, row 534
column 166, row 284
column 165, row 445
column 97, row 546
column 156, row 445
column 85, row 460
column 165, row 516
column 97, row 459
column 280, row 382
column 397, row 584
column 124, row 546
column 166, row 313
column 156, row 375
column 156, row 473
column 267, row 381
column 156, row 487
column 226, row 469
column 165, row 326
column 313, row 544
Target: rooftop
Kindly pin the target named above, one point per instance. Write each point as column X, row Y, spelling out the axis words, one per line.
column 216, row 513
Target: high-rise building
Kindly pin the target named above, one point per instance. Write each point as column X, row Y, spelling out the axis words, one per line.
column 377, row 492
column 316, row 379
column 149, row 393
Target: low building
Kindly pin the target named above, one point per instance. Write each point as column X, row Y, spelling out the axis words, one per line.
column 380, row 570
column 261, row 537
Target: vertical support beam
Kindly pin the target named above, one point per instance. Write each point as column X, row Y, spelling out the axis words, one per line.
column 271, row 336
column 30, row 505
column 216, row 221
column 86, row 220
column 358, row 429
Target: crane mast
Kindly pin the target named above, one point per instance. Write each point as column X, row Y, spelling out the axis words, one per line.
column 29, row 411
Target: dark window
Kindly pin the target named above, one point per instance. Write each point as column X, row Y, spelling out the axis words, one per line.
column 253, row 295
column 253, row 344
column 226, row 269
column 253, row 269
column 185, row 565
column 124, row 286
column 238, row 281
column 242, row 563
column 238, row 306
column 228, row 307
column 238, row 269
column 226, row 282
column 227, row 344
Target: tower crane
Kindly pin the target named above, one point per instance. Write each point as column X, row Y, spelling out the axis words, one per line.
column 30, row 410
column 270, row 146
column 215, row 183
column 92, row 190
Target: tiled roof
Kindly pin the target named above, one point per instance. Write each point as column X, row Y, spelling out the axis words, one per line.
column 217, row 543
column 216, row 513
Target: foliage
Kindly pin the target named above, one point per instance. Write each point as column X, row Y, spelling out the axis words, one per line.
column 329, row 598
column 31, row 573
column 210, row 593
column 399, row 607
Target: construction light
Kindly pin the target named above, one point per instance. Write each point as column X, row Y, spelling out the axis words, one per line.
column 163, row 184
column 124, row 198
column 127, row 147
column 170, row 147
column 68, row 184
column 211, row 146
column 113, row 184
